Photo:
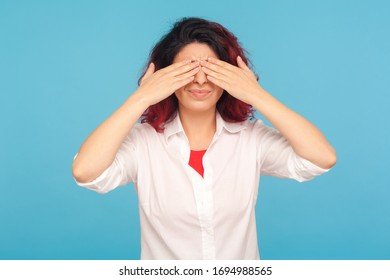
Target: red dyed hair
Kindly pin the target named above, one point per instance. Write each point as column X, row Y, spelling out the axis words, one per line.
column 222, row 42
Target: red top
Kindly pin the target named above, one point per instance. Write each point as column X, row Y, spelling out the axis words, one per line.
column 196, row 161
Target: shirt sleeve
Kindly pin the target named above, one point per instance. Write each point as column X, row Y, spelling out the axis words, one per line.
column 122, row 171
column 277, row 157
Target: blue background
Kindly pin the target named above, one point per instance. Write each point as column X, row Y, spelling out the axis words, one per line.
column 67, row 65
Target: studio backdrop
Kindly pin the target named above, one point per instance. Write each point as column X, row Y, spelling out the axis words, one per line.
column 65, row 66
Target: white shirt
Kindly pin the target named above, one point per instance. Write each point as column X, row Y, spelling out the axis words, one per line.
column 185, row 216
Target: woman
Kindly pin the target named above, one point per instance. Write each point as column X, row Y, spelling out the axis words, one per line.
column 196, row 159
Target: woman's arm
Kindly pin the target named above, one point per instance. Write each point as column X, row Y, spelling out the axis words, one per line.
column 98, row 151
column 306, row 139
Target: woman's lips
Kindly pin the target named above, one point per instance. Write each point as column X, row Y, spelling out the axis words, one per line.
column 199, row 93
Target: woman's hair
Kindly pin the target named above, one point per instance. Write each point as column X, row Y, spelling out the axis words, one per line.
column 222, row 42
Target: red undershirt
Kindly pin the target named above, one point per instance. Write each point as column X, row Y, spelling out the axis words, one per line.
column 196, row 161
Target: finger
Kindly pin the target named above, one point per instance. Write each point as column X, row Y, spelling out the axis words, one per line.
column 188, row 73
column 223, row 68
column 185, row 78
column 148, row 72
column 221, row 83
column 220, row 63
column 178, row 68
column 242, row 64
column 184, row 68
column 182, row 82
column 215, row 74
column 176, row 65
column 248, row 72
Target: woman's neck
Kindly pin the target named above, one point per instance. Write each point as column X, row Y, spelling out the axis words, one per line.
column 199, row 128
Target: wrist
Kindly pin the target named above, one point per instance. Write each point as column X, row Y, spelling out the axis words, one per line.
column 138, row 101
column 258, row 96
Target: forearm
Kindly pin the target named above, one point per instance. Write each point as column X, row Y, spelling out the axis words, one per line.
column 305, row 138
column 98, row 151
column 240, row 82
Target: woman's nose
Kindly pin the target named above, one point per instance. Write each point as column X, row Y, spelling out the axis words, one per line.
column 200, row 77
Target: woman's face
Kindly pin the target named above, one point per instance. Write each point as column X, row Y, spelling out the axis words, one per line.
column 200, row 95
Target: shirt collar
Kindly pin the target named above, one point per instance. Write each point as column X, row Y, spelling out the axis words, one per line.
column 175, row 126
column 232, row 127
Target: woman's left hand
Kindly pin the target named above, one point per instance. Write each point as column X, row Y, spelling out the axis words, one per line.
column 239, row 82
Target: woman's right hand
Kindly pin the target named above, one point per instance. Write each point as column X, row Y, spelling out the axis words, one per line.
column 156, row 86
column 99, row 150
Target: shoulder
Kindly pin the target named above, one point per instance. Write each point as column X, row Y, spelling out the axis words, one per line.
column 143, row 128
column 254, row 125
column 261, row 130
column 141, row 132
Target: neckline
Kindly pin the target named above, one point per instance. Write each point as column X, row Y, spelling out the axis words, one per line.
column 198, row 151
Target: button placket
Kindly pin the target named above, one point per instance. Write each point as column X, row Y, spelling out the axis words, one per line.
column 205, row 215
column 203, row 199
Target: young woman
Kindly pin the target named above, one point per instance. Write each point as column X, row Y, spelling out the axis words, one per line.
column 196, row 158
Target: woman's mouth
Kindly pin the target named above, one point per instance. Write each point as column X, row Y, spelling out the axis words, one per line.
column 199, row 93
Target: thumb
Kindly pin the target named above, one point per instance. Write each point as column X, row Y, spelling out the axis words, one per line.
column 242, row 64
column 148, row 72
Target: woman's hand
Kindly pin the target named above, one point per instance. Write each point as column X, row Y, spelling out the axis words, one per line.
column 239, row 82
column 156, row 86
column 306, row 139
